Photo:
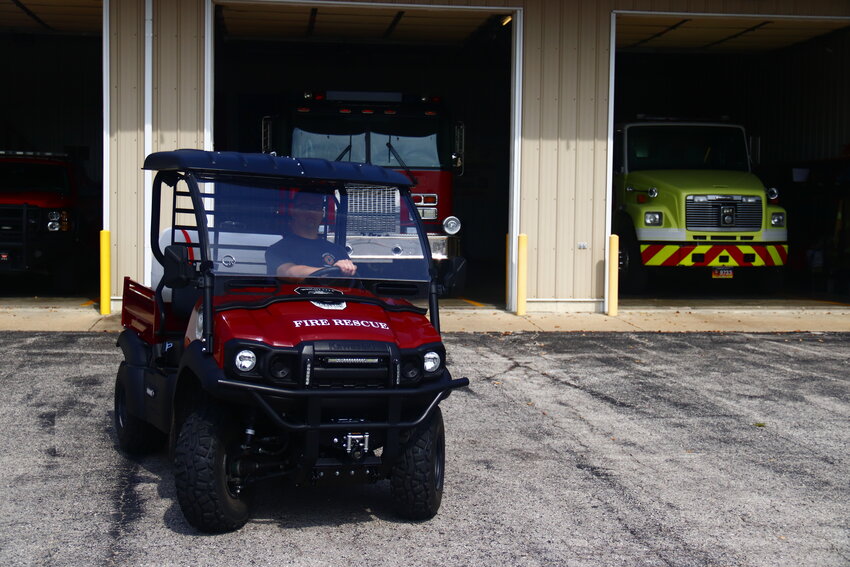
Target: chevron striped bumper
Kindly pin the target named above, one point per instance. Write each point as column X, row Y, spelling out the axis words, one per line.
column 714, row 255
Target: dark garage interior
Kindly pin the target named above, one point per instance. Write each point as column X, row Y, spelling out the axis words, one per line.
column 261, row 68
column 51, row 103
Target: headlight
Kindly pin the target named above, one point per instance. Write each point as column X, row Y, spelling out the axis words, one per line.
column 777, row 219
column 53, row 216
column 652, row 192
column 199, row 326
column 451, row 225
column 427, row 213
column 773, row 193
column 245, row 360
column 653, row 219
column 432, row 361
column 53, row 226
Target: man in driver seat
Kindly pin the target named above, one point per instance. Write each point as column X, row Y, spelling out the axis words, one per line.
column 302, row 251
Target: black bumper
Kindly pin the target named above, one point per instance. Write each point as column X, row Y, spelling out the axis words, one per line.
column 426, row 396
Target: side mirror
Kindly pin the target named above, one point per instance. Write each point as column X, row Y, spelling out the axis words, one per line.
column 452, row 277
column 177, row 270
column 459, row 147
column 755, row 150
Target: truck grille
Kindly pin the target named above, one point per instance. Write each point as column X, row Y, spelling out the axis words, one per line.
column 706, row 212
column 17, row 226
column 373, row 211
column 12, row 223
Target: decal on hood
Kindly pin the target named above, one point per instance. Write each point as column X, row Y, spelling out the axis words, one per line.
column 340, row 323
column 323, row 291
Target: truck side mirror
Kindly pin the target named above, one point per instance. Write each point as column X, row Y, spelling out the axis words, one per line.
column 459, row 146
column 177, row 270
column 452, row 276
column 266, row 135
column 755, row 150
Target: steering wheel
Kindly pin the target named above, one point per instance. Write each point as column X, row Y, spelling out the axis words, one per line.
column 327, row 272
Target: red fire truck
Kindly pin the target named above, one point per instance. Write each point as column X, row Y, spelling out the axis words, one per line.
column 46, row 218
column 411, row 134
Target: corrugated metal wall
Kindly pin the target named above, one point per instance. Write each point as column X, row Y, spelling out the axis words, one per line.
column 126, row 139
column 178, row 110
column 178, row 103
column 566, row 55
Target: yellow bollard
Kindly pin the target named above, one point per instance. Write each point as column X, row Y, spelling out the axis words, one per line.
column 522, row 274
column 613, row 274
column 105, row 274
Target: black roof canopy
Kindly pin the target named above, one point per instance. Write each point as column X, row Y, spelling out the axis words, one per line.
column 267, row 165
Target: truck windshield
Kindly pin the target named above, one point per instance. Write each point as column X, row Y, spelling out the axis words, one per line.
column 288, row 230
column 23, row 177
column 686, row 147
column 415, row 151
column 421, row 141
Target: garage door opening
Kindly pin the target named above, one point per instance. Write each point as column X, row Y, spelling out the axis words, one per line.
column 784, row 81
column 50, row 151
column 267, row 58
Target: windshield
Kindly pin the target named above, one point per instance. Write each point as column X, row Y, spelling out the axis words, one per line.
column 314, row 232
column 414, row 151
column 22, row 177
column 417, row 140
column 686, row 147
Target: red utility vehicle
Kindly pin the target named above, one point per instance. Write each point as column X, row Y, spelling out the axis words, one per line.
column 409, row 133
column 261, row 354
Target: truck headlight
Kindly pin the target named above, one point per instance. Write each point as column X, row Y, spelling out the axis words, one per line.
column 451, row 225
column 777, row 219
column 427, row 213
column 773, row 193
column 653, row 219
column 53, row 226
column 245, row 360
column 432, row 361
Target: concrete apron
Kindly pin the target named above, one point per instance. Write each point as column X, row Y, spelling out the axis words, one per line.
column 75, row 314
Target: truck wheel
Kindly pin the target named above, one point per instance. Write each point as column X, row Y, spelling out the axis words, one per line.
column 135, row 436
column 206, row 491
column 633, row 275
column 416, row 481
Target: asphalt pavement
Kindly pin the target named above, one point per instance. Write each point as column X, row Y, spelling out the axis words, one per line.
column 585, row 449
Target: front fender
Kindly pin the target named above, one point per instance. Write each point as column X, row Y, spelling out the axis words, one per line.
column 201, row 365
column 131, row 372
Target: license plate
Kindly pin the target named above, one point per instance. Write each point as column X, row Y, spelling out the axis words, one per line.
column 722, row 273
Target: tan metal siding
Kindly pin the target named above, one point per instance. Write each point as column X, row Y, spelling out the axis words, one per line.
column 126, row 132
column 565, row 106
column 178, row 97
column 178, row 74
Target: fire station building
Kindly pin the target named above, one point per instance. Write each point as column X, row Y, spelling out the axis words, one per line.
column 539, row 85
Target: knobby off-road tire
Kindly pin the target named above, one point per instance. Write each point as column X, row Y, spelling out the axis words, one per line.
column 416, row 482
column 135, row 436
column 208, row 500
